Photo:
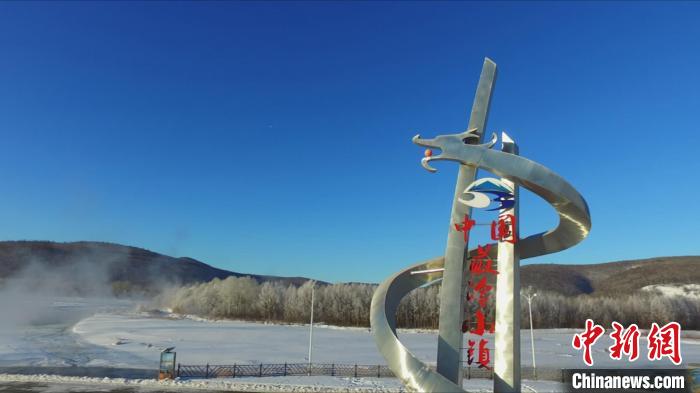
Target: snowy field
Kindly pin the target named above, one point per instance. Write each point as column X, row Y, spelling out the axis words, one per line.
column 109, row 333
column 44, row 383
column 227, row 342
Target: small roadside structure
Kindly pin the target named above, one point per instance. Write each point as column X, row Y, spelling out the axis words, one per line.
column 166, row 370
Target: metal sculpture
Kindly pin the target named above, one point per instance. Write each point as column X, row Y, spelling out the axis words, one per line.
column 466, row 149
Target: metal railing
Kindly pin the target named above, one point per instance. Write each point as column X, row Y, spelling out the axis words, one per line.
column 334, row 369
column 283, row 369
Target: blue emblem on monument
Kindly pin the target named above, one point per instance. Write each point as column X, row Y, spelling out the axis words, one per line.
column 476, row 194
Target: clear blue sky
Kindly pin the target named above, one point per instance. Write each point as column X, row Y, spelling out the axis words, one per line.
column 275, row 138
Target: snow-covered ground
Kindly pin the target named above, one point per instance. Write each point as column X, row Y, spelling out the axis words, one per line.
column 80, row 332
column 228, row 342
column 685, row 290
column 47, row 383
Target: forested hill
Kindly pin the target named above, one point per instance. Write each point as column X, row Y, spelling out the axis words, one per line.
column 95, row 265
column 624, row 277
column 84, row 266
column 657, row 290
column 615, row 278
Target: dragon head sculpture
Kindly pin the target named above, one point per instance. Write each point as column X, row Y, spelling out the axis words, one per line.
column 452, row 146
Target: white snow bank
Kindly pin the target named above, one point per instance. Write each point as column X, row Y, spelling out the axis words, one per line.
column 691, row 291
column 271, row 384
column 288, row 384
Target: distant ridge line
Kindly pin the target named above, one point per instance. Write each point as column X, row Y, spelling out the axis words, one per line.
column 143, row 268
column 114, row 263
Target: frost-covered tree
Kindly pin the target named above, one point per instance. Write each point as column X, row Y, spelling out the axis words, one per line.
column 270, row 301
column 349, row 305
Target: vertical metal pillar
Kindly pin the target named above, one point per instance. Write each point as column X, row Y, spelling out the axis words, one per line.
column 529, row 296
column 311, row 326
column 507, row 341
column 450, row 340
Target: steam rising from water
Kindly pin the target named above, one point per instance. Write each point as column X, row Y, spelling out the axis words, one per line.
column 44, row 292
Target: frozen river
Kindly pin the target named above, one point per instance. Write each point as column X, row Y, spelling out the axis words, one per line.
column 228, row 342
column 38, row 332
column 79, row 337
column 110, row 334
column 88, row 335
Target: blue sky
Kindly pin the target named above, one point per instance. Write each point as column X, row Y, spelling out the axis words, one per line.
column 275, row 138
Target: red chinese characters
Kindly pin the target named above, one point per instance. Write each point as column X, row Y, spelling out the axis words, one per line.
column 663, row 342
column 625, row 341
column 465, row 226
column 478, row 287
column 480, row 267
column 484, row 354
column 480, row 323
column 481, row 263
column 503, row 230
column 586, row 340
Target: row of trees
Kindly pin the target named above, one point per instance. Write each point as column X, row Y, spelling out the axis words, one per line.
column 552, row 310
column 349, row 305
column 244, row 298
